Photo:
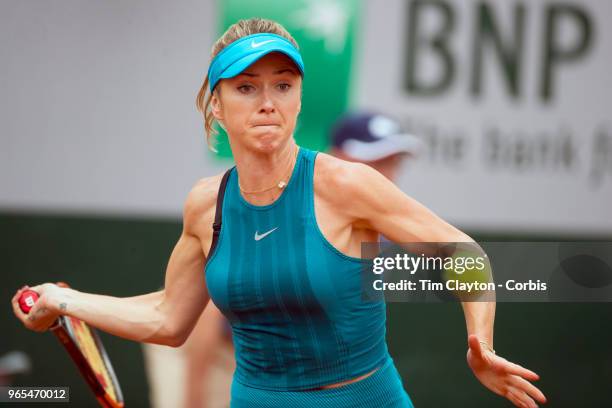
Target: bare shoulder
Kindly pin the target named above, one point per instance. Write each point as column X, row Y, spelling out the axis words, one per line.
column 355, row 189
column 337, row 179
column 199, row 209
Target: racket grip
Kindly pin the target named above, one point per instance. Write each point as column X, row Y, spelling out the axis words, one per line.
column 27, row 300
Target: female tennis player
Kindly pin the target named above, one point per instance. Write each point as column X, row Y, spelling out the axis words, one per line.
column 285, row 267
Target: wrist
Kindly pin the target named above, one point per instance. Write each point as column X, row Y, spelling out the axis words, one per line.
column 62, row 299
column 484, row 339
column 487, row 346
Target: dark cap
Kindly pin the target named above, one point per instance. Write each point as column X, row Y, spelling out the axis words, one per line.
column 368, row 136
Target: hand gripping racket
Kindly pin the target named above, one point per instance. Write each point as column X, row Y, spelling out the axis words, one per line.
column 87, row 351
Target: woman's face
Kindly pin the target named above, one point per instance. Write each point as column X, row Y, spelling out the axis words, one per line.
column 259, row 107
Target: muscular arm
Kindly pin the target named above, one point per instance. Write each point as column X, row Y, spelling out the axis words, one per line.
column 163, row 317
column 378, row 205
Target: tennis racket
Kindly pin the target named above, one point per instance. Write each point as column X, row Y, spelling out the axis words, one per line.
column 87, row 351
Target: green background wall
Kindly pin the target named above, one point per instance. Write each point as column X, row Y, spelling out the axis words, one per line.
column 567, row 344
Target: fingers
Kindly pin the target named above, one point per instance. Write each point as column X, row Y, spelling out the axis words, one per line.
column 516, row 369
column 15, row 302
column 514, row 399
column 26, row 318
column 529, row 388
column 39, row 318
column 520, row 398
column 16, row 309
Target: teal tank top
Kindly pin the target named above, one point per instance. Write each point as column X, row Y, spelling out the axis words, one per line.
column 293, row 300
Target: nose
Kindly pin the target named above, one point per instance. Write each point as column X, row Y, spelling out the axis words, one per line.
column 267, row 103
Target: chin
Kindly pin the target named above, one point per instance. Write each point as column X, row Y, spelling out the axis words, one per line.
column 266, row 142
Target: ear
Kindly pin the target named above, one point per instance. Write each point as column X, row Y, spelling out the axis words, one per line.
column 216, row 107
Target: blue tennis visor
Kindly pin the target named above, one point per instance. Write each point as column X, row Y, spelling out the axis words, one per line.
column 240, row 54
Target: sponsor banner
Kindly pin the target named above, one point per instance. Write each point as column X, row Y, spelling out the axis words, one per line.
column 512, row 100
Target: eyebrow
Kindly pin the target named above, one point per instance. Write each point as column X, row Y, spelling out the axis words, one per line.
column 280, row 71
column 283, row 70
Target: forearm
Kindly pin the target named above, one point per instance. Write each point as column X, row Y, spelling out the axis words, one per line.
column 139, row 318
column 479, row 319
column 401, row 219
column 480, row 315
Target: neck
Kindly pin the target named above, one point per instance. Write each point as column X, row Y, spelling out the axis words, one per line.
column 259, row 171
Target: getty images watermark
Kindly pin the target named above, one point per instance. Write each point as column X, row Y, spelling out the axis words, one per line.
column 488, row 271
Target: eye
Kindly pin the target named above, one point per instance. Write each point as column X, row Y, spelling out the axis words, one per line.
column 284, row 86
column 246, row 88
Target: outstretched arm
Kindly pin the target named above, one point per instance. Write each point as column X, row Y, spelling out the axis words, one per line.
column 378, row 205
column 163, row 317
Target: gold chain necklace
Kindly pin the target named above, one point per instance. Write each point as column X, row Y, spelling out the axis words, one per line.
column 281, row 184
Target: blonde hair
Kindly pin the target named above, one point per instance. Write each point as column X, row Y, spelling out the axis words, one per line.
column 238, row 30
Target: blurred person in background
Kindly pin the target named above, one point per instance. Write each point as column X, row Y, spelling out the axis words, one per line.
column 209, row 361
column 197, row 374
column 374, row 139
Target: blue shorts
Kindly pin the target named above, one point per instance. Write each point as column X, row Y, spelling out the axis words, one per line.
column 382, row 389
